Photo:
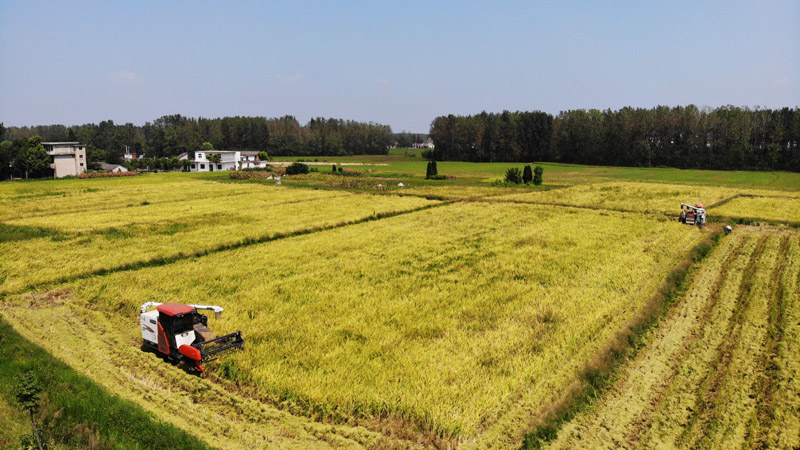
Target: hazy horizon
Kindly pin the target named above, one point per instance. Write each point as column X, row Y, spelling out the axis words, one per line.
column 399, row 65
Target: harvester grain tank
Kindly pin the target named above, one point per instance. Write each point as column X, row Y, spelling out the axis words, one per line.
column 179, row 333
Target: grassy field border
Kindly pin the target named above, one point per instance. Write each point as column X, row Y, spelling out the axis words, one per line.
column 602, row 370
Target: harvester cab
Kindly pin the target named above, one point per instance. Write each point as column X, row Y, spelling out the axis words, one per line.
column 179, row 333
column 693, row 215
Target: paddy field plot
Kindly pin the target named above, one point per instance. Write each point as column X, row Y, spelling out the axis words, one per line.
column 721, row 371
column 771, row 208
column 452, row 324
column 656, row 198
column 68, row 245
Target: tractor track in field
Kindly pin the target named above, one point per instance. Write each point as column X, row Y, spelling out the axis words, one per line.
column 708, row 393
column 643, row 422
column 758, row 429
column 719, row 370
column 626, row 412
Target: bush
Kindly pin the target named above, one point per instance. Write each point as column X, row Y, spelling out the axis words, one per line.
column 527, row 175
column 297, row 169
column 432, row 170
column 438, row 177
column 514, row 175
column 537, row 175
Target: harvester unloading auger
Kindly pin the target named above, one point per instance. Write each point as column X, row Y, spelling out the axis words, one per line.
column 180, row 333
column 693, row 215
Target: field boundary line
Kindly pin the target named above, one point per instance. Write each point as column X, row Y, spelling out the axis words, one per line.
column 601, row 371
column 181, row 256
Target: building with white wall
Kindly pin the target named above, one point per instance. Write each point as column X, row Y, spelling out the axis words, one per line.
column 229, row 160
column 69, row 158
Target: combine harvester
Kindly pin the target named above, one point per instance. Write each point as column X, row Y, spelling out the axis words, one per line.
column 693, row 215
column 179, row 333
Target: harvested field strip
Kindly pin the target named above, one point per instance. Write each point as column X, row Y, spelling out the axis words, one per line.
column 760, row 424
column 728, row 400
column 74, row 412
column 784, row 412
column 44, row 261
column 626, row 409
column 438, row 322
column 107, row 352
column 706, row 378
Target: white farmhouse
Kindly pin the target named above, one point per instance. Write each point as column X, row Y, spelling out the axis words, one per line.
column 69, row 158
column 229, row 160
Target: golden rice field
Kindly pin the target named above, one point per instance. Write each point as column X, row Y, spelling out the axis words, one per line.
column 439, row 318
column 375, row 320
column 624, row 196
column 722, row 370
column 108, row 239
column 777, row 209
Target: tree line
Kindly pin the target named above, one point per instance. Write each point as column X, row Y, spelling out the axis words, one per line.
column 727, row 138
column 172, row 135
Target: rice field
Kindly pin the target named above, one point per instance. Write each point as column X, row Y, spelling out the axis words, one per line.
column 721, row 371
column 656, row 198
column 438, row 318
column 444, row 316
column 773, row 208
column 80, row 243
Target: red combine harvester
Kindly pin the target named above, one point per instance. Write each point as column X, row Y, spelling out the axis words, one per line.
column 693, row 215
column 179, row 333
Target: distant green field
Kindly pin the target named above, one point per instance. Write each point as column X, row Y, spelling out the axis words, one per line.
column 399, row 164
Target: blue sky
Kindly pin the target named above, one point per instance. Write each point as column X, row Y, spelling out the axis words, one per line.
column 397, row 63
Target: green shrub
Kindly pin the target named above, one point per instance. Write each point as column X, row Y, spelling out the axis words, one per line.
column 297, row 169
column 514, row 175
column 537, row 175
column 527, row 175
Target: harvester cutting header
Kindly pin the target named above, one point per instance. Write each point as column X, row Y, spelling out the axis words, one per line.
column 180, row 333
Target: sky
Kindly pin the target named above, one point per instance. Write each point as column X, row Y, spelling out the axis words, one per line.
column 400, row 63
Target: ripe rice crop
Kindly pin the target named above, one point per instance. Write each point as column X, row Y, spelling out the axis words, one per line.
column 459, row 320
column 110, row 239
column 44, row 202
column 721, row 371
column 639, row 197
column 777, row 209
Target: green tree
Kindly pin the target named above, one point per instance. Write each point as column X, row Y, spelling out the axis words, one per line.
column 297, row 169
column 514, row 175
column 33, row 159
column 527, row 175
column 214, row 158
column 537, row 175
column 263, row 156
column 207, row 146
column 28, row 394
column 333, row 169
column 428, row 170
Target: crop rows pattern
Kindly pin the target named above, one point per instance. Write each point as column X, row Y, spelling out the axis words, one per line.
column 721, row 371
